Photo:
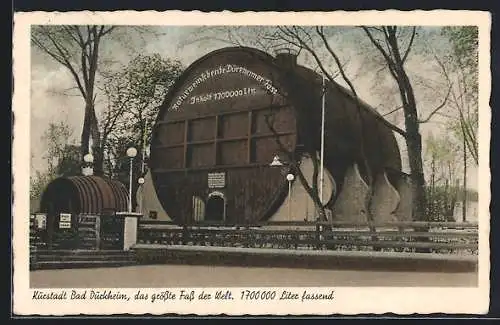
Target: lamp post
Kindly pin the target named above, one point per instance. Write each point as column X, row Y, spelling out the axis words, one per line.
column 290, row 177
column 144, row 132
column 131, row 153
column 322, row 151
column 141, row 181
column 87, row 169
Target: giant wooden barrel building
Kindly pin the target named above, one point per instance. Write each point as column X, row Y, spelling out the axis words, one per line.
column 212, row 141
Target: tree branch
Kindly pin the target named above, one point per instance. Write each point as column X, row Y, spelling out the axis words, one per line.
column 303, row 45
column 311, row 190
column 105, row 31
column 405, row 55
column 386, row 56
column 393, row 111
column 65, row 62
column 437, row 108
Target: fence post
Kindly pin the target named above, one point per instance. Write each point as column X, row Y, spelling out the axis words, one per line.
column 184, row 234
column 374, row 237
column 128, row 231
column 424, row 239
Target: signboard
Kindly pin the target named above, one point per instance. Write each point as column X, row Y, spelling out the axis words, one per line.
column 41, row 220
column 64, row 220
column 32, row 221
column 65, row 217
column 64, row 225
column 216, row 180
column 217, row 72
column 87, row 171
column 153, row 214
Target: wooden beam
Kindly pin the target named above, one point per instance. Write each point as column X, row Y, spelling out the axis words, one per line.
column 218, row 168
column 239, row 138
column 207, row 115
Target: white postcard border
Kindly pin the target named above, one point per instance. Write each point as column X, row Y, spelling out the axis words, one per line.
column 348, row 300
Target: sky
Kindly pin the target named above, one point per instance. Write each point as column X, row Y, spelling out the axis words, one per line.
column 52, row 102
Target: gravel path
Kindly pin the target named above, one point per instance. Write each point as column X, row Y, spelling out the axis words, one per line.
column 168, row 276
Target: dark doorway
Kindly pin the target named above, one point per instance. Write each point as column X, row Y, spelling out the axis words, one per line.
column 214, row 210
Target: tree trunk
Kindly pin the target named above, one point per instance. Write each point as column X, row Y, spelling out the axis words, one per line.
column 320, row 208
column 85, row 138
column 97, row 149
column 414, row 146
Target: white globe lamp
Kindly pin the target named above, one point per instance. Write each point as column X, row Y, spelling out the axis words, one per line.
column 290, row 178
column 131, row 152
column 88, row 158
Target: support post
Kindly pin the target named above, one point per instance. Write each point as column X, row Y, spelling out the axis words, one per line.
column 322, row 154
column 130, row 187
column 289, row 201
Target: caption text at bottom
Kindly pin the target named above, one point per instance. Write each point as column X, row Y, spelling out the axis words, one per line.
column 185, row 295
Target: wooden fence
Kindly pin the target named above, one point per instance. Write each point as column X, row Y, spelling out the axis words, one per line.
column 435, row 237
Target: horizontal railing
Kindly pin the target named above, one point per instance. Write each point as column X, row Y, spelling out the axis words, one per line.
column 416, row 224
column 434, row 237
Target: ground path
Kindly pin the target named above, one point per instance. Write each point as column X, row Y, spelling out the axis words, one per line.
column 168, row 276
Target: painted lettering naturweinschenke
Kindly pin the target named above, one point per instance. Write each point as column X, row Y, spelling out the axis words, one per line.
column 221, row 70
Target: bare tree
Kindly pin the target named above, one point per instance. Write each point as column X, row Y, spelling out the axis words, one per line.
column 463, row 100
column 459, row 68
column 388, row 42
column 394, row 48
column 293, row 163
column 77, row 49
